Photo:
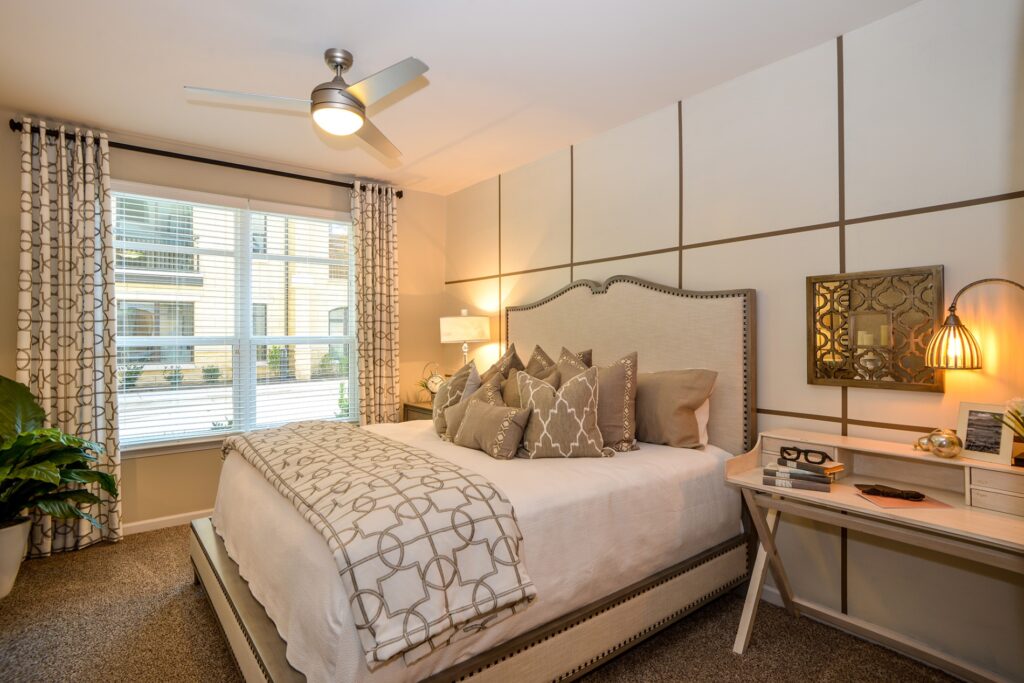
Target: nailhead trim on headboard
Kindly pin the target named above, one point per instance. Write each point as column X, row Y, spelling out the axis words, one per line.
column 749, row 335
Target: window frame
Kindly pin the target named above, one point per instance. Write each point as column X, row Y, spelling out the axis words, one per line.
column 244, row 342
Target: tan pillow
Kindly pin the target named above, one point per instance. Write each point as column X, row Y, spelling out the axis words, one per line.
column 459, row 387
column 616, row 405
column 570, row 364
column 507, row 361
column 563, row 423
column 495, row 430
column 510, row 387
column 667, row 403
column 540, row 362
column 489, row 392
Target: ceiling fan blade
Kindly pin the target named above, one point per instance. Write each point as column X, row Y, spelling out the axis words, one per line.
column 381, row 84
column 372, row 136
column 274, row 100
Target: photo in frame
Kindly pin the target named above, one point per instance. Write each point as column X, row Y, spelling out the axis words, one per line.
column 984, row 436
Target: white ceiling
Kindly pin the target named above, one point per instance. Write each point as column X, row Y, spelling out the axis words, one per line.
column 510, row 80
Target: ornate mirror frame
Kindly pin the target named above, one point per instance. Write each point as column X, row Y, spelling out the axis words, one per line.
column 871, row 329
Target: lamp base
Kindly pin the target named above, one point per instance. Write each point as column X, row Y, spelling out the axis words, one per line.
column 465, row 353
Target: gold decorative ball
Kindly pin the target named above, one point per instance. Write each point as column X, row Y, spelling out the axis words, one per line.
column 945, row 443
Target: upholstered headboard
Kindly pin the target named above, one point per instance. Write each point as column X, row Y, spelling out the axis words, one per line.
column 671, row 329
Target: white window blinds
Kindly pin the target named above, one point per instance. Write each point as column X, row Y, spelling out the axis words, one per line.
column 232, row 314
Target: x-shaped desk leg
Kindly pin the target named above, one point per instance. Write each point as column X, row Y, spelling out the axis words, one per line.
column 767, row 556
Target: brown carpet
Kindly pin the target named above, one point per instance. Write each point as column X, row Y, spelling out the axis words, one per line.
column 129, row 612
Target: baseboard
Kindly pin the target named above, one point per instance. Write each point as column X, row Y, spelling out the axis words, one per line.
column 770, row 594
column 163, row 522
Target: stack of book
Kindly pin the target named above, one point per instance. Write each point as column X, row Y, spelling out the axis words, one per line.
column 796, row 474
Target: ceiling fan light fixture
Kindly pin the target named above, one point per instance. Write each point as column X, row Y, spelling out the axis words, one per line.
column 337, row 119
column 334, row 110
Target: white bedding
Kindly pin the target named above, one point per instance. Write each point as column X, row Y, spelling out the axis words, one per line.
column 591, row 526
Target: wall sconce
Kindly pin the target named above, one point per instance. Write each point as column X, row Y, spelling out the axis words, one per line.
column 463, row 329
column 953, row 347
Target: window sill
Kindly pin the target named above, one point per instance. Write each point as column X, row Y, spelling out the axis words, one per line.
column 206, row 443
column 147, row 450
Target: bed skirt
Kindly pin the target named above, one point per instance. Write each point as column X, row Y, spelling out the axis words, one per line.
column 561, row 650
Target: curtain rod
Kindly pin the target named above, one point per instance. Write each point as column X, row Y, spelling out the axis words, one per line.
column 16, row 127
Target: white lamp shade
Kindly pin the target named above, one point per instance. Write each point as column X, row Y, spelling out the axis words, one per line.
column 337, row 120
column 458, row 329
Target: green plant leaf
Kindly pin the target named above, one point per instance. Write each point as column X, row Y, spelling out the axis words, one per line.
column 85, row 476
column 77, row 495
column 50, row 435
column 63, row 509
column 44, row 471
column 19, row 411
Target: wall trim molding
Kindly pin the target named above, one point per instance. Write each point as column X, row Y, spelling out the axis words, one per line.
column 155, row 523
column 836, row 419
column 1006, row 196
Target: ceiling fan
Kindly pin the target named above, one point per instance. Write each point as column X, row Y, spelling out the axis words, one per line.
column 339, row 108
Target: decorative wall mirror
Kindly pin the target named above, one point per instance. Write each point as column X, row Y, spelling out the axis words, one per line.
column 871, row 329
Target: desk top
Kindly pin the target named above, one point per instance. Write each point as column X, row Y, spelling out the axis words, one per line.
column 960, row 520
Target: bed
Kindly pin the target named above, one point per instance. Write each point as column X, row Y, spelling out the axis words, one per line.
column 617, row 548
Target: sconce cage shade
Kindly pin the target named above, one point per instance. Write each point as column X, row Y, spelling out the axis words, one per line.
column 953, row 347
column 457, row 329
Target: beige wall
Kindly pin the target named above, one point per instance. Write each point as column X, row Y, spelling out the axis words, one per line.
column 740, row 186
column 174, row 483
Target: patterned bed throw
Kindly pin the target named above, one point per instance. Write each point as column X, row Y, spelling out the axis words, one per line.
column 428, row 551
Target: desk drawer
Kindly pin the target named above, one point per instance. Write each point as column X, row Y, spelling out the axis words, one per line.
column 1000, row 502
column 1014, row 483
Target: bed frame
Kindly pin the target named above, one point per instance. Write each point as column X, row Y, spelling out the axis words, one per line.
column 670, row 329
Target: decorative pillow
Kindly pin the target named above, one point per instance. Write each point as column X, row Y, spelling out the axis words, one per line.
column 510, row 387
column 667, row 404
column 489, row 392
column 563, row 423
column 459, row 387
column 495, row 430
column 570, row 364
column 539, row 362
column 616, row 405
column 507, row 361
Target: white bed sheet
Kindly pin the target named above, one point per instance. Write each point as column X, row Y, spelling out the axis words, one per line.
column 591, row 526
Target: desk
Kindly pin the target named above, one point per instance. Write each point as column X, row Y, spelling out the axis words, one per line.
column 968, row 528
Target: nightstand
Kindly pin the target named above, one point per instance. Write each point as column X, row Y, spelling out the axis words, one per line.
column 417, row 411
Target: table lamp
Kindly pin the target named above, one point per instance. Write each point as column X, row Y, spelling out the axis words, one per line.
column 953, row 347
column 463, row 329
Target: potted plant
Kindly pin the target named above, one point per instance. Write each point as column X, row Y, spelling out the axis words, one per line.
column 40, row 468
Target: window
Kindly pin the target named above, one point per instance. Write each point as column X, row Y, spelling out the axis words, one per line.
column 338, row 247
column 337, row 321
column 259, row 329
column 232, row 314
column 155, row 319
column 142, row 225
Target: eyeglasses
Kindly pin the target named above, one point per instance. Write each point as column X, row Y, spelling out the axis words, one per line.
column 805, row 454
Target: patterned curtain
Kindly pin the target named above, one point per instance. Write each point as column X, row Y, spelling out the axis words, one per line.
column 66, row 310
column 376, row 233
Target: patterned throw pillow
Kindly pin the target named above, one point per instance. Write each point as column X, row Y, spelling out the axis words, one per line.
column 495, row 430
column 459, row 387
column 540, row 362
column 570, row 364
column 563, row 423
column 510, row 387
column 507, row 361
column 616, row 405
column 489, row 392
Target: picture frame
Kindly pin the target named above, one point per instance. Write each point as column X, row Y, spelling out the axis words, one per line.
column 870, row 329
column 984, row 437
